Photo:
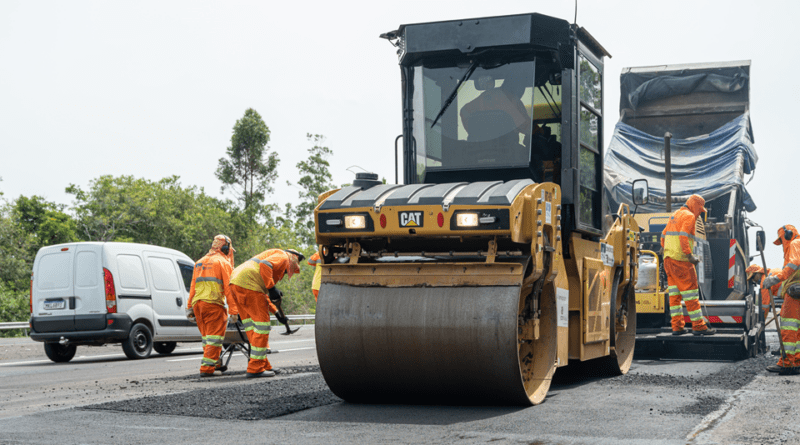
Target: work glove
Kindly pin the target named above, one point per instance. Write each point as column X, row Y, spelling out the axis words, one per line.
column 694, row 260
column 275, row 294
column 233, row 318
column 190, row 315
column 771, row 281
column 282, row 319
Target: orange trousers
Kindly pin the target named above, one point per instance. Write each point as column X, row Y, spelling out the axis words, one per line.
column 682, row 286
column 212, row 321
column 790, row 318
column 254, row 309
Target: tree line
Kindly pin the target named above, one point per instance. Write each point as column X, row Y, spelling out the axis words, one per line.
column 167, row 213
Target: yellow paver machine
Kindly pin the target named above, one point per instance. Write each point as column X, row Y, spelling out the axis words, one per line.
column 494, row 264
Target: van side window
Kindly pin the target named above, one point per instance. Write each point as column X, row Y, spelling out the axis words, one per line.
column 186, row 272
column 131, row 272
column 163, row 273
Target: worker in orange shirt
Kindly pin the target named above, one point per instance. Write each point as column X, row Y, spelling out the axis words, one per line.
column 316, row 283
column 252, row 285
column 755, row 274
column 208, row 294
column 789, row 278
column 677, row 239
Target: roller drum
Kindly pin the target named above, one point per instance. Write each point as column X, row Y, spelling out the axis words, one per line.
column 421, row 344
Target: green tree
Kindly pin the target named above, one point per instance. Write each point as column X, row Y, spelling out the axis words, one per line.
column 45, row 220
column 316, row 179
column 249, row 170
column 162, row 213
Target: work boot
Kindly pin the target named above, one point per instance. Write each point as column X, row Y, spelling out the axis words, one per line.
column 276, row 370
column 680, row 332
column 706, row 331
column 774, row 368
column 218, row 366
column 252, row 375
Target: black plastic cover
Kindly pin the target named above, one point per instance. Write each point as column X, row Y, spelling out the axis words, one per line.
column 480, row 193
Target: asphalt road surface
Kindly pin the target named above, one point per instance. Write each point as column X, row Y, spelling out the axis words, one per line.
column 104, row 398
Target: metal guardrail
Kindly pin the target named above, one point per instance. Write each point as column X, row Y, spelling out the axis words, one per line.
column 25, row 325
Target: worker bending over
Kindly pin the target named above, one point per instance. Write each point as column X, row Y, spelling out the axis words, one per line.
column 208, row 294
column 790, row 311
column 755, row 274
column 252, row 283
column 316, row 283
column 677, row 239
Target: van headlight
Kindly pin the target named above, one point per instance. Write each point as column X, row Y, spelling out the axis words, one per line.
column 467, row 220
column 355, row 222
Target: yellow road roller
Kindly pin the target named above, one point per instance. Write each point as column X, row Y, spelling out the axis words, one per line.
column 495, row 263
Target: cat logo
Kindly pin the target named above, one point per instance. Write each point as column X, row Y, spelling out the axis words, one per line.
column 411, row 219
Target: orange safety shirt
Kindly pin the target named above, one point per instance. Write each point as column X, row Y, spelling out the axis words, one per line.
column 210, row 280
column 678, row 237
column 262, row 271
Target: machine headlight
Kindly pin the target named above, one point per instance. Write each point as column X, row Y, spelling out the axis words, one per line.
column 355, row 222
column 467, row 220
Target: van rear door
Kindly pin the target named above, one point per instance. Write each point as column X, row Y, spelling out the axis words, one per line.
column 52, row 290
column 90, row 299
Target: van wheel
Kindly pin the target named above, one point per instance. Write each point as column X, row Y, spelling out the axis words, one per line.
column 59, row 353
column 164, row 347
column 139, row 343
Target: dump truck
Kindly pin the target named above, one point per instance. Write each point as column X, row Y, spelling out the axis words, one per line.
column 686, row 129
column 493, row 265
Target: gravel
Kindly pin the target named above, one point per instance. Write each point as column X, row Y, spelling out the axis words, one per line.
column 298, row 388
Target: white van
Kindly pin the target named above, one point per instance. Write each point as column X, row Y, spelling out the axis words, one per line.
column 93, row 293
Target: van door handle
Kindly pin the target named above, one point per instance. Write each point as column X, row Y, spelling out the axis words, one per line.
column 179, row 301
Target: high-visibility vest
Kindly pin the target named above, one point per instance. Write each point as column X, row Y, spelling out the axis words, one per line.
column 681, row 225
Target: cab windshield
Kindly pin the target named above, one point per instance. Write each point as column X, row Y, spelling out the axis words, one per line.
column 486, row 121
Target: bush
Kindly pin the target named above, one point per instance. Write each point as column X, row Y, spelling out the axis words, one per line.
column 14, row 306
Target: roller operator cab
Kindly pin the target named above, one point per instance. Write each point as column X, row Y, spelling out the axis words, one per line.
column 491, row 267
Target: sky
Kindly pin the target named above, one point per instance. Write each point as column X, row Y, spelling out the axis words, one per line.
column 153, row 89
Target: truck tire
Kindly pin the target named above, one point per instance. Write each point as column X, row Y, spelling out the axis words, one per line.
column 165, row 347
column 139, row 343
column 59, row 353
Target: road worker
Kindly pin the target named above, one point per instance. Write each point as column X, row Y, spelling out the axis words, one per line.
column 208, row 294
column 252, row 284
column 755, row 274
column 788, row 277
column 316, row 283
column 678, row 240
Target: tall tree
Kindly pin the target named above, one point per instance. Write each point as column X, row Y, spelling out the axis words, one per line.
column 315, row 180
column 162, row 213
column 249, row 170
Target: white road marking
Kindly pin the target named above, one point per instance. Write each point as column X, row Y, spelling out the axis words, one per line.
column 279, row 350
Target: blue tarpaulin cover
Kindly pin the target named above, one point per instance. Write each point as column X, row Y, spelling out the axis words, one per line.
column 710, row 165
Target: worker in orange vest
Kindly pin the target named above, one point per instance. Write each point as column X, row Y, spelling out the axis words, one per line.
column 789, row 278
column 208, row 295
column 252, row 284
column 678, row 240
column 316, row 283
column 755, row 274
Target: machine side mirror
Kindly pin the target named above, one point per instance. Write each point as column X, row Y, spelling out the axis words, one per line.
column 641, row 192
column 761, row 239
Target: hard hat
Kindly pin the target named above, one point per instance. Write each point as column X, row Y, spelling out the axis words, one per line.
column 787, row 232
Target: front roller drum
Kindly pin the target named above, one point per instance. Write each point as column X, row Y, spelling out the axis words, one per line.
column 437, row 345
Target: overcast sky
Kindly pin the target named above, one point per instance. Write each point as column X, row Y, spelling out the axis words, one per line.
column 153, row 89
